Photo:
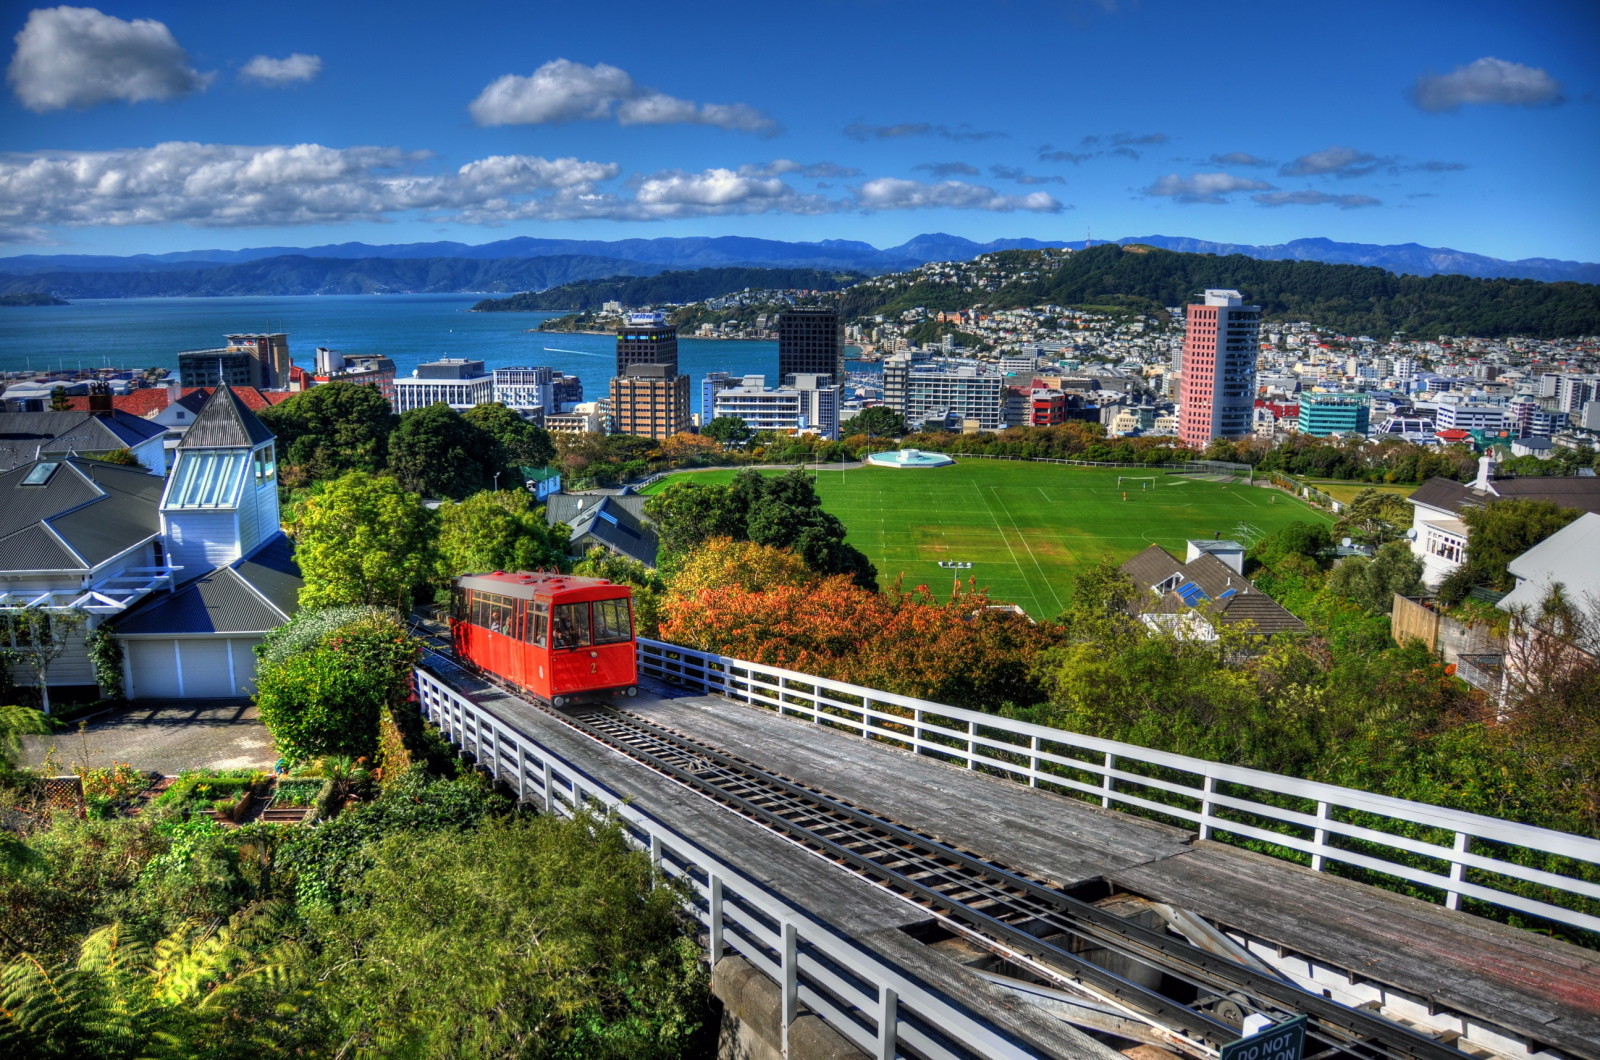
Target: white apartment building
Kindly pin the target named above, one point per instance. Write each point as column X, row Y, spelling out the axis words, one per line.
column 1469, row 416
column 457, row 382
column 923, row 390
column 525, row 389
column 810, row 403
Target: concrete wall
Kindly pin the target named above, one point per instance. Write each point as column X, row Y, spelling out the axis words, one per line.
column 752, row 1012
column 1446, row 637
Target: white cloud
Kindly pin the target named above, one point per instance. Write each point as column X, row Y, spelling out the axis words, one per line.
column 77, row 57
column 948, row 169
column 562, row 90
column 235, row 186
column 1315, row 198
column 1487, row 80
column 1203, row 187
column 1238, row 158
column 1334, row 161
column 279, row 72
column 893, row 193
column 813, row 170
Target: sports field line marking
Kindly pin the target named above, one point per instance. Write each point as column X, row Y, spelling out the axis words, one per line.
column 1043, row 577
column 1002, row 532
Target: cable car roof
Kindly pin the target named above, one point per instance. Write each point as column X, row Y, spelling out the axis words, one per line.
column 539, row 584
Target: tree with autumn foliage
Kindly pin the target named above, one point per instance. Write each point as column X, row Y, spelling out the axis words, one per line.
column 957, row 651
column 723, row 563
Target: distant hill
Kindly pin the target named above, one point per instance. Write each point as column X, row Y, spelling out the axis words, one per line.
column 30, row 298
column 1354, row 299
column 191, row 271
column 669, row 287
column 298, row 275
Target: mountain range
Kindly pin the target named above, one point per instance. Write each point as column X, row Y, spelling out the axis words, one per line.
column 527, row 263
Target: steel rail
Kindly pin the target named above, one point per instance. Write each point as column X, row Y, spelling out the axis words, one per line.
column 1023, row 899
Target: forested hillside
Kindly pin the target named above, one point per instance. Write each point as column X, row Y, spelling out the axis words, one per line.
column 1354, row 299
column 675, row 288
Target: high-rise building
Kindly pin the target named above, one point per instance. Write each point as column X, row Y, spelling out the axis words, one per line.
column 648, row 396
column 525, row 389
column 651, row 401
column 808, row 402
column 810, row 341
column 647, row 338
column 924, row 390
column 1334, row 413
column 1220, row 344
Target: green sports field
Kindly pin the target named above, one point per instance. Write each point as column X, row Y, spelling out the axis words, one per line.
column 1028, row 528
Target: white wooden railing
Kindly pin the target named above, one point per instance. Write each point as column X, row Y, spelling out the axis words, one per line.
column 860, row 994
column 1218, row 799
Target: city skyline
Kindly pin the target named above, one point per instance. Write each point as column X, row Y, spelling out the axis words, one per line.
column 154, row 127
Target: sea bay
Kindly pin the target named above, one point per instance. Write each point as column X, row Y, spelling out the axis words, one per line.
column 409, row 328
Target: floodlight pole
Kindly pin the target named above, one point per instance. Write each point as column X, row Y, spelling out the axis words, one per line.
column 955, row 567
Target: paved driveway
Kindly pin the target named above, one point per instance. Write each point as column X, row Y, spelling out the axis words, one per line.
column 164, row 737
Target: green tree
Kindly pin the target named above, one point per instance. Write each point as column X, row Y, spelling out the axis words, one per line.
column 649, row 588
column 1374, row 517
column 1373, row 583
column 326, row 697
column 529, row 937
column 330, row 429
column 782, row 511
column 879, row 421
column 36, row 637
column 502, row 530
column 731, row 431
column 1497, row 533
column 362, row 539
column 436, row 452
column 522, row 444
column 59, row 402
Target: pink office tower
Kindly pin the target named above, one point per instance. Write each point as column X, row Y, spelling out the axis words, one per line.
column 1220, row 342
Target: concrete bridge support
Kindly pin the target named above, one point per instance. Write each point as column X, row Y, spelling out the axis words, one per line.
column 752, row 1020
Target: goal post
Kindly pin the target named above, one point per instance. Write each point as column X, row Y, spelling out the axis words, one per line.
column 1123, row 480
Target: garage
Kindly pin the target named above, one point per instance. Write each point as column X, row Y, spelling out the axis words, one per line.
column 190, row 667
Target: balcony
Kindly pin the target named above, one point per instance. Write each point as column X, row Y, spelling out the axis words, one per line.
column 1483, row 672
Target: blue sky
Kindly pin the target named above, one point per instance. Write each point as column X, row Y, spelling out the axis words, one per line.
column 158, row 126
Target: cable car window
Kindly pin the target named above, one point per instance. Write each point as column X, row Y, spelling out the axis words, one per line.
column 611, row 623
column 571, row 625
column 538, row 623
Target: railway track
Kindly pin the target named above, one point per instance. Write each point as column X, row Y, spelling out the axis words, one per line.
column 1201, row 997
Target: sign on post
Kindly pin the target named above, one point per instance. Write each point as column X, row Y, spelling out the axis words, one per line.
column 1281, row 1041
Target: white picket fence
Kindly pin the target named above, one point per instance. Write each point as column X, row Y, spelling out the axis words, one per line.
column 1356, row 828
column 860, row 994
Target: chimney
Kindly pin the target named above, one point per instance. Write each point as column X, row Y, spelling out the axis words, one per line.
column 100, row 399
column 1485, row 474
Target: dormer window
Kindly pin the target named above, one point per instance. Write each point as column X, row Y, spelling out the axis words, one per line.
column 266, row 466
column 180, row 414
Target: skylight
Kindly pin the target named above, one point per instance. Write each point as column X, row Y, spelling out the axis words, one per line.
column 41, row 473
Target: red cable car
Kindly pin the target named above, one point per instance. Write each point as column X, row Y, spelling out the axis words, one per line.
column 560, row 637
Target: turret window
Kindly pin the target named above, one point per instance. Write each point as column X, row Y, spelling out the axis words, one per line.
column 206, row 480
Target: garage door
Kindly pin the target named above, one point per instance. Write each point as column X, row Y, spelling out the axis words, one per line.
column 244, row 664
column 206, row 669
column 152, row 669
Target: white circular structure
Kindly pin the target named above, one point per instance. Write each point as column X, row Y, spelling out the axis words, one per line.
column 909, row 458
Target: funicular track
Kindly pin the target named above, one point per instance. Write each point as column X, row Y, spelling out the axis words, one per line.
column 1024, row 920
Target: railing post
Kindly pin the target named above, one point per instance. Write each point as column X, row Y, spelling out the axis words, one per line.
column 783, row 694
column 1320, row 838
column 1458, row 872
column 715, row 912
column 1033, row 762
column 1106, row 783
column 655, row 851
column 972, row 730
column 549, row 786
column 888, row 1022
column 791, row 979
column 1209, row 788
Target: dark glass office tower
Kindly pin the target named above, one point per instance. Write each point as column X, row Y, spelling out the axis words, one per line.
column 810, row 340
column 647, row 338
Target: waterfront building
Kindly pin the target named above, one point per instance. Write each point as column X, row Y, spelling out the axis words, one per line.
column 807, row 402
column 525, row 389
column 586, row 417
column 566, row 391
column 710, row 384
column 1220, row 344
column 1325, row 414
column 456, row 381
column 368, row 369
column 261, row 361
column 810, row 341
column 646, row 338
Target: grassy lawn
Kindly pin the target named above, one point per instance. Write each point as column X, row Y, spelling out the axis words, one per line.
column 1028, row 528
column 1344, row 492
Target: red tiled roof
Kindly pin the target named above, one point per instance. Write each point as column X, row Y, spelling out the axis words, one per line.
column 253, row 399
column 144, row 402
